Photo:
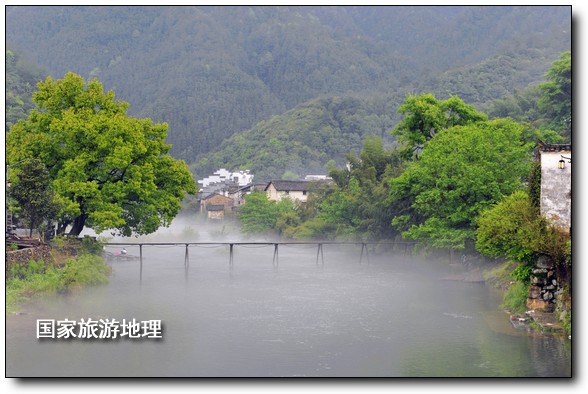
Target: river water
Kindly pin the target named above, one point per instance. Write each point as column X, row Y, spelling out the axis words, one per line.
column 393, row 317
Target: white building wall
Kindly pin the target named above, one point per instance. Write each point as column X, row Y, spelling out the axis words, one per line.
column 556, row 188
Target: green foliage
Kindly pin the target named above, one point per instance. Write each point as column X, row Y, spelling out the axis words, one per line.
column 92, row 246
column 21, row 79
column 83, row 271
column 259, row 215
column 556, row 102
column 425, row 116
column 300, row 141
column 462, row 171
column 30, row 188
column 515, row 298
column 240, row 65
column 512, row 228
column 522, row 273
column 22, row 271
column 38, row 278
column 108, row 170
column 534, row 185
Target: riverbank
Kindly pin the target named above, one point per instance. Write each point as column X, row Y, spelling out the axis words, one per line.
column 51, row 271
column 558, row 322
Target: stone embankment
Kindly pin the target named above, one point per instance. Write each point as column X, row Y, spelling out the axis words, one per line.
column 23, row 256
column 544, row 286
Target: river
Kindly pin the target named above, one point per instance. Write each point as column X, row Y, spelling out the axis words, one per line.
column 393, row 317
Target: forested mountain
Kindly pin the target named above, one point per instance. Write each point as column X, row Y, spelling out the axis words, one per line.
column 21, row 80
column 211, row 72
column 301, row 141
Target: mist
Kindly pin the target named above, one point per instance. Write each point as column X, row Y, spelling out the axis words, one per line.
column 390, row 316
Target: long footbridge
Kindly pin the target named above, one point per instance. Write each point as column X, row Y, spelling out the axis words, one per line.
column 399, row 246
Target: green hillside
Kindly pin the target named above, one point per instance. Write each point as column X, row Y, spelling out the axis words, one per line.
column 211, row 72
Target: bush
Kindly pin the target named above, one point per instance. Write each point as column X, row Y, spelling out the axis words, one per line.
column 85, row 270
column 522, row 273
column 511, row 228
column 92, row 246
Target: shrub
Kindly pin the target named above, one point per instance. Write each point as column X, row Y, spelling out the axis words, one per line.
column 85, row 270
column 522, row 273
column 511, row 228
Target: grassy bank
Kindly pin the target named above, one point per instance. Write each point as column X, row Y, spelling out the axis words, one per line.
column 37, row 278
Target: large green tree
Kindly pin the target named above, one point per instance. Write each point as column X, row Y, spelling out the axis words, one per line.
column 462, row 171
column 108, row 170
column 425, row 116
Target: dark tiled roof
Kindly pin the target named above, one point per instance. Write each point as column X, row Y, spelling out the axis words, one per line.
column 216, row 194
column 543, row 147
column 290, row 186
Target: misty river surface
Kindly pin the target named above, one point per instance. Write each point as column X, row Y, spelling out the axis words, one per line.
column 393, row 317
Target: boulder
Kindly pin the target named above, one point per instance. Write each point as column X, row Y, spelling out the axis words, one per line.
column 545, row 261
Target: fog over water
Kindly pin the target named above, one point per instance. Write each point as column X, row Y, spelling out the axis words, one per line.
column 395, row 316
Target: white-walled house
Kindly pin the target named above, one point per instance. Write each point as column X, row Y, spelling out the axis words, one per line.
column 556, row 183
column 296, row 190
column 241, row 178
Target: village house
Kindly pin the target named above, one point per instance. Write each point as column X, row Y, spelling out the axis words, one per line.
column 556, row 183
column 238, row 195
column 216, row 206
column 296, row 190
column 215, row 212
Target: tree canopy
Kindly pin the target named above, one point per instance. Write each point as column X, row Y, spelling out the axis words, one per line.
column 425, row 115
column 462, row 171
column 556, row 102
column 108, row 170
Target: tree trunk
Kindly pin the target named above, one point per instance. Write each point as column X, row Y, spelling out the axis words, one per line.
column 61, row 226
column 78, row 224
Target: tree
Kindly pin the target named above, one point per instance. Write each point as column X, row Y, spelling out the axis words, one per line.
column 425, row 116
column 109, row 170
column 462, row 171
column 30, row 188
column 556, row 102
column 260, row 215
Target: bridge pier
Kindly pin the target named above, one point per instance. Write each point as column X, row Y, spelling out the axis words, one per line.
column 364, row 246
column 186, row 261
column 231, row 256
column 320, row 250
column 140, row 264
column 275, row 262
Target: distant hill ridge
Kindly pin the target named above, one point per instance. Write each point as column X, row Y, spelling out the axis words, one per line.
column 212, row 72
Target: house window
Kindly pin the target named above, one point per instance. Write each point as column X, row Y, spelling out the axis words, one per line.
column 304, row 192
